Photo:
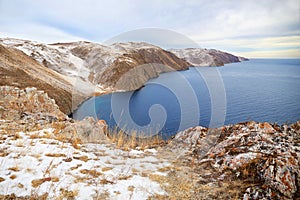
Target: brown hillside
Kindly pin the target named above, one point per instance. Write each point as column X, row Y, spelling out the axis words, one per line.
column 18, row 69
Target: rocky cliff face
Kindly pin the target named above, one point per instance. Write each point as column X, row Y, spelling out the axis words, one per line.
column 206, row 57
column 30, row 109
column 264, row 154
column 19, row 103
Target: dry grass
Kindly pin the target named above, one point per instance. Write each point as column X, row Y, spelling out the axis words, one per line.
column 76, row 167
column 37, row 182
column 13, row 176
column 179, row 187
column 35, row 136
column 55, row 155
column 141, row 140
column 124, row 177
column 3, row 153
column 105, row 181
column 131, row 188
column 92, row 172
column 105, row 169
column 67, row 194
column 82, row 158
column 15, row 169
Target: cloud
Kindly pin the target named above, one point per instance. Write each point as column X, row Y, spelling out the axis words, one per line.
column 39, row 33
column 288, row 53
column 200, row 20
column 280, row 42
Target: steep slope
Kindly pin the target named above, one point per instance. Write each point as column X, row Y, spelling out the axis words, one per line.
column 99, row 64
column 18, row 69
column 109, row 64
column 206, row 57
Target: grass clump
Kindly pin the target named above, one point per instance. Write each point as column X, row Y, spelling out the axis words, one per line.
column 135, row 140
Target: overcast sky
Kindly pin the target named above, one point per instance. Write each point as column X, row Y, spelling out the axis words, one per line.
column 251, row 28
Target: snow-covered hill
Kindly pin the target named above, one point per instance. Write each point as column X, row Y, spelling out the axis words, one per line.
column 87, row 61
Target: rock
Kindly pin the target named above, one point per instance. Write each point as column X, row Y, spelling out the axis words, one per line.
column 87, row 130
column 28, row 103
column 266, row 152
column 267, row 128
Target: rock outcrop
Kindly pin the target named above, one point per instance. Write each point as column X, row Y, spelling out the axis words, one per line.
column 16, row 104
column 266, row 154
column 30, row 109
column 206, row 57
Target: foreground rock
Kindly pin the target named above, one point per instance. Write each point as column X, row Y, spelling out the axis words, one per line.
column 206, row 57
column 32, row 110
column 265, row 155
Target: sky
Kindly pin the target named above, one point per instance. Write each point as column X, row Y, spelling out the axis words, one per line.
column 250, row 28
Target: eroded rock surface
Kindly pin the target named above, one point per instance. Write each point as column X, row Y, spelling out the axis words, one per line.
column 266, row 154
column 30, row 109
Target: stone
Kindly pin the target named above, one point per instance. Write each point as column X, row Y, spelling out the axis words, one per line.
column 261, row 150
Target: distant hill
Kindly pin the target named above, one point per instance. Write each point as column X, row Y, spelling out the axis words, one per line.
column 206, row 57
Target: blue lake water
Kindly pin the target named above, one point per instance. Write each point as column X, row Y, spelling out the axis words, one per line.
column 259, row 90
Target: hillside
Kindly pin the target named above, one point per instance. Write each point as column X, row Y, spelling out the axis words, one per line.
column 101, row 65
column 206, row 57
column 19, row 70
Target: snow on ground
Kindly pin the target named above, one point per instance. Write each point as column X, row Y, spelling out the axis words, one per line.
column 32, row 163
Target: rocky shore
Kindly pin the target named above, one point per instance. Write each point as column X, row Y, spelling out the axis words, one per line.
column 249, row 160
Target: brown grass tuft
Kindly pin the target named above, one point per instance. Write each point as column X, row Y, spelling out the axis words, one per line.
column 104, row 169
column 37, row 182
column 13, row 176
column 15, row 169
column 93, row 173
column 67, row 194
column 82, row 158
column 127, row 142
column 55, row 155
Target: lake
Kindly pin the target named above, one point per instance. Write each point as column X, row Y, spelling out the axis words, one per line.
column 259, row 89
